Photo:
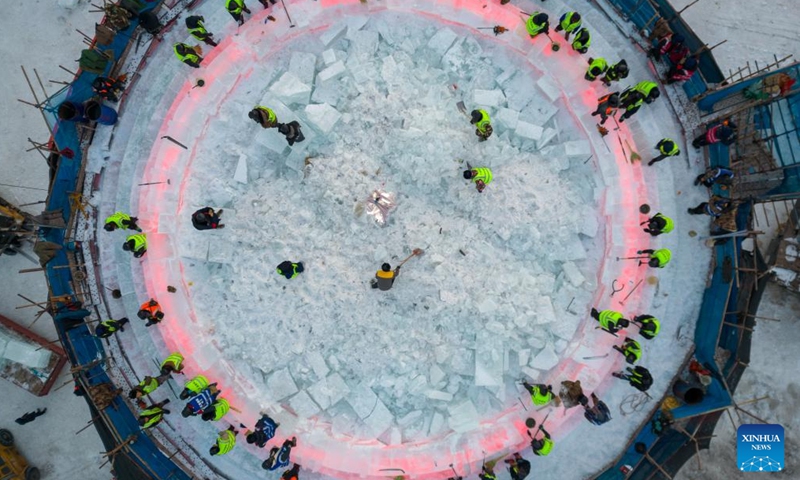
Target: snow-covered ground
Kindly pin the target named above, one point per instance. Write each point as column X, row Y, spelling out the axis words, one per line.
column 39, row 35
column 772, row 372
column 754, row 30
column 50, row 442
column 209, row 179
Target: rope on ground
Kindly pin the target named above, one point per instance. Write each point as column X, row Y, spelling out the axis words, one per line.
column 633, row 403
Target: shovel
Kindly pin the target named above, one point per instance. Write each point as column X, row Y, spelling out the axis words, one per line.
column 603, row 131
column 414, row 253
column 553, row 44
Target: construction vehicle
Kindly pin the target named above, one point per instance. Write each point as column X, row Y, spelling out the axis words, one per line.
column 13, row 465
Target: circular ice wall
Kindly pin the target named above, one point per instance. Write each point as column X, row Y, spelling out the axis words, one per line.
column 425, row 374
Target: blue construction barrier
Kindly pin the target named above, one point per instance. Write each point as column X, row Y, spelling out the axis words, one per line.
column 707, row 103
column 80, row 345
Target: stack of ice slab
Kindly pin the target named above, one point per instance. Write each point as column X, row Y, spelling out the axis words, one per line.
column 370, row 409
column 323, row 117
column 290, row 89
column 441, row 42
column 281, row 385
column 303, row 66
column 22, row 352
column 489, row 98
column 489, row 358
column 329, row 391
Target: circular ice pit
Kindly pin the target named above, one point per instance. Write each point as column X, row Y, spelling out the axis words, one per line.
column 446, row 331
column 498, row 295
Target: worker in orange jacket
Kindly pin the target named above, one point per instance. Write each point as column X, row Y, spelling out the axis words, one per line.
column 150, row 311
column 606, row 106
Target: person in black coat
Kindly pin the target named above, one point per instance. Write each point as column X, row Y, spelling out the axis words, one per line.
column 292, row 132
column 518, row 467
column 207, row 219
column 31, row 416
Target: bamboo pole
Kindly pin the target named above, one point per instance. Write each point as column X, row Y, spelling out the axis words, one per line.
column 89, row 424
column 684, row 8
column 35, row 98
column 41, row 85
column 68, row 70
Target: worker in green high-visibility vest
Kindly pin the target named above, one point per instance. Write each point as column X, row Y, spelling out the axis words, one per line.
column 597, row 67
column 152, row 415
column 542, row 446
column 194, row 387
column 667, row 148
column 122, row 221
column 658, row 258
column 569, row 22
column 480, row 176
column 483, row 125
column 137, row 244
column 537, row 23
column 630, row 349
column 649, row 326
column 583, row 39
column 658, row 224
column 226, row 440
column 610, row 320
column 188, row 54
column 198, row 30
column 235, row 8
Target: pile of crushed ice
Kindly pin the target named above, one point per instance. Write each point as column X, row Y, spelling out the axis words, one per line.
column 465, row 320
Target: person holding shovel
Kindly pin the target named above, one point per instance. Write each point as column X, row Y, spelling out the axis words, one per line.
column 542, row 446
column 487, row 473
column 658, row 258
column 667, row 148
column 384, row 278
column 537, row 23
